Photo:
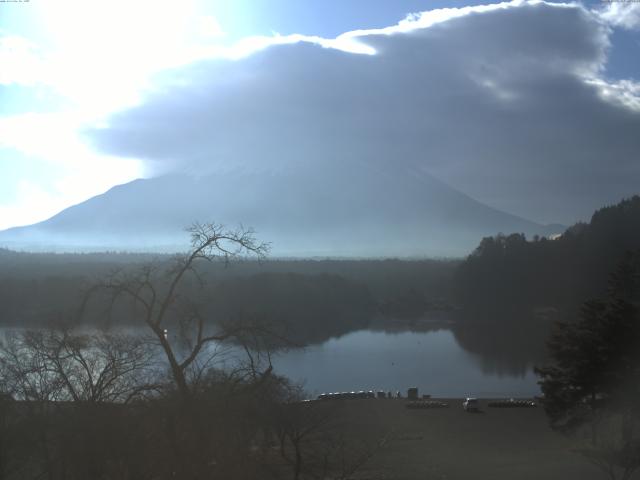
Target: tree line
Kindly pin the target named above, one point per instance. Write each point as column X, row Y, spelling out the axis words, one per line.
column 509, row 275
column 311, row 300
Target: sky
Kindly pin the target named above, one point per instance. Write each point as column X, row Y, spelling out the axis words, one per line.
column 529, row 107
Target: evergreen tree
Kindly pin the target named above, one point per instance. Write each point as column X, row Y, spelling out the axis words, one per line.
column 593, row 382
column 596, row 359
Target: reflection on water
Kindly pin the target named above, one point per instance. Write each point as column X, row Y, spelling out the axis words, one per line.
column 505, row 347
column 432, row 361
column 465, row 361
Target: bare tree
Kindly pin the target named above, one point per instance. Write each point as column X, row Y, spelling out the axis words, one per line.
column 156, row 293
column 26, row 373
column 315, row 441
column 70, row 390
column 296, row 424
column 59, row 365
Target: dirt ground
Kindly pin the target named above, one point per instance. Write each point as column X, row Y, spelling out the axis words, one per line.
column 449, row 443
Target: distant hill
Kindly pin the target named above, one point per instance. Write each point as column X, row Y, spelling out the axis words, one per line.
column 350, row 210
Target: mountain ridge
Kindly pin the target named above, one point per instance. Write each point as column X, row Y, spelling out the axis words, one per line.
column 345, row 211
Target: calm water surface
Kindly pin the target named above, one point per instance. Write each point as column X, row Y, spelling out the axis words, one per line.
column 374, row 360
column 371, row 360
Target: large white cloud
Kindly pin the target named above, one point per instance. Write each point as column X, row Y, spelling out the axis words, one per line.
column 622, row 14
column 506, row 102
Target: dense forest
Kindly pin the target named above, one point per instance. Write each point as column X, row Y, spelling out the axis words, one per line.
column 510, row 275
column 510, row 290
column 309, row 300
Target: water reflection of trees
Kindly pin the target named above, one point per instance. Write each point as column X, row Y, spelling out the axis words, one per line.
column 504, row 348
column 501, row 346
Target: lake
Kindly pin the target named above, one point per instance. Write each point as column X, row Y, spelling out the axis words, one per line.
column 373, row 360
column 434, row 361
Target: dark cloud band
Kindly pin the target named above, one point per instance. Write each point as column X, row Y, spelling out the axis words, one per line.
column 503, row 105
